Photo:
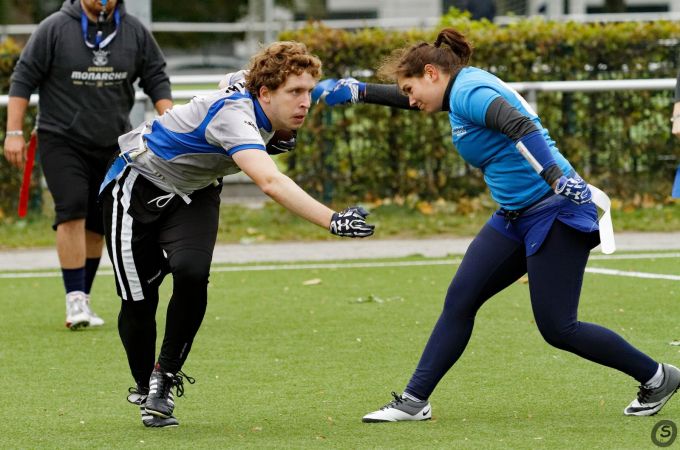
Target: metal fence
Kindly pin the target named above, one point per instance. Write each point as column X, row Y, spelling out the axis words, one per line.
column 529, row 88
column 403, row 23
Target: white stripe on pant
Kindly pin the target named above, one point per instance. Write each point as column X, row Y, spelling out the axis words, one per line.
column 128, row 270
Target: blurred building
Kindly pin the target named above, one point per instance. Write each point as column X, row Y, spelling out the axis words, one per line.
column 383, row 9
column 559, row 7
column 388, row 9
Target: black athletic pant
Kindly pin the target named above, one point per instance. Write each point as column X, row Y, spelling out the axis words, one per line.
column 150, row 233
column 493, row 262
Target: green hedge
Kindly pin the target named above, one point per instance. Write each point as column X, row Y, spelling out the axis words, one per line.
column 620, row 141
column 10, row 176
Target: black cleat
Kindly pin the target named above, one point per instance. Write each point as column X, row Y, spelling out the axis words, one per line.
column 151, row 421
column 137, row 395
column 160, row 401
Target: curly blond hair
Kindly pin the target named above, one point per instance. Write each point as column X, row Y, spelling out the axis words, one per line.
column 271, row 66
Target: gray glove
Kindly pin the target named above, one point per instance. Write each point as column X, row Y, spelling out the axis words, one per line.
column 282, row 142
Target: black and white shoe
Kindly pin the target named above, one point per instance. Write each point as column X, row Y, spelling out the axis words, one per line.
column 151, row 421
column 400, row 409
column 160, row 401
column 649, row 401
column 137, row 395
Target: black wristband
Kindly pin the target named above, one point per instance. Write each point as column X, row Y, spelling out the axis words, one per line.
column 552, row 174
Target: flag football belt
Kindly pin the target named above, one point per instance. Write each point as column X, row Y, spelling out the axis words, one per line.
column 606, row 226
column 601, row 200
column 121, row 162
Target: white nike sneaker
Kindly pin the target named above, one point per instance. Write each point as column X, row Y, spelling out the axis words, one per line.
column 649, row 401
column 77, row 316
column 95, row 320
column 400, row 409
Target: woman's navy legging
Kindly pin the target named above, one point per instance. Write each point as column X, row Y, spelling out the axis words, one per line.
column 493, row 262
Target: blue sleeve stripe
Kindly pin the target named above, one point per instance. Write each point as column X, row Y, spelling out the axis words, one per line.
column 536, row 145
column 238, row 148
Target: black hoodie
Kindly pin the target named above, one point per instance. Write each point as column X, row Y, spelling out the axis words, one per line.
column 86, row 95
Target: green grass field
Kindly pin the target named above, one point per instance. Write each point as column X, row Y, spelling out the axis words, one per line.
column 284, row 364
column 273, row 223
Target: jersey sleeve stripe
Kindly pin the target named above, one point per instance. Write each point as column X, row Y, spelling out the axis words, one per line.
column 238, row 148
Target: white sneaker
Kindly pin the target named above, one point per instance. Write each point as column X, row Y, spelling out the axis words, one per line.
column 95, row 320
column 649, row 401
column 400, row 409
column 76, row 311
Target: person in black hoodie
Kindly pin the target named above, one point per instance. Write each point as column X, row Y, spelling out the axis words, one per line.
column 84, row 60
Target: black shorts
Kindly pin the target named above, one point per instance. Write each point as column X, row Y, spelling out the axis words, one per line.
column 146, row 227
column 73, row 172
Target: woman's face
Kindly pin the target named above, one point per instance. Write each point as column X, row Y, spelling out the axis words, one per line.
column 425, row 92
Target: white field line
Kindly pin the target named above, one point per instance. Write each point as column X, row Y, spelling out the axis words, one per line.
column 380, row 264
column 623, row 273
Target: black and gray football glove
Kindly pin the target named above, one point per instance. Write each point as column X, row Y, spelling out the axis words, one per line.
column 351, row 222
column 282, row 142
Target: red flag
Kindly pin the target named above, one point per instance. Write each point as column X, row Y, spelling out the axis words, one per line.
column 28, row 169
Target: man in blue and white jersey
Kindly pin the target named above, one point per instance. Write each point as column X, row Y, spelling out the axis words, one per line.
column 161, row 201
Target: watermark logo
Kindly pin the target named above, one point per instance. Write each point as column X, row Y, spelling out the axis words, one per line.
column 664, row 433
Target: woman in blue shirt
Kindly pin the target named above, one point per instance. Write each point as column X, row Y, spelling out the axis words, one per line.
column 546, row 224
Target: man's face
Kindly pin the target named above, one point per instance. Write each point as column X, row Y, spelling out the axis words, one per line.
column 287, row 106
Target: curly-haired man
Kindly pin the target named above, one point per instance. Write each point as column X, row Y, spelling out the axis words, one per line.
column 161, row 202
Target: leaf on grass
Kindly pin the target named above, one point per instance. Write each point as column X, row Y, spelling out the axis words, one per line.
column 312, row 282
column 675, row 342
column 372, row 298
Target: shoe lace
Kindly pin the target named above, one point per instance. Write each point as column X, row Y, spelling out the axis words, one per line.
column 644, row 393
column 178, row 382
column 398, row 400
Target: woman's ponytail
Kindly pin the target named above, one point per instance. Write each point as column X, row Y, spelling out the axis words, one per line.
column 450, row 52
column 456, row 42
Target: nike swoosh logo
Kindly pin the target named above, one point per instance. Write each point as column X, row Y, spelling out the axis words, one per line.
column 425, row 412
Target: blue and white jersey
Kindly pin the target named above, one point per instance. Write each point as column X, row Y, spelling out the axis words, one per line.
column 191, row 145
column 513, row 183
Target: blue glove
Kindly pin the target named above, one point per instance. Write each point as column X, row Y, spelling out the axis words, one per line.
column 322, row 89
column 351, row 222
column 338, row 92
column 575, row 189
